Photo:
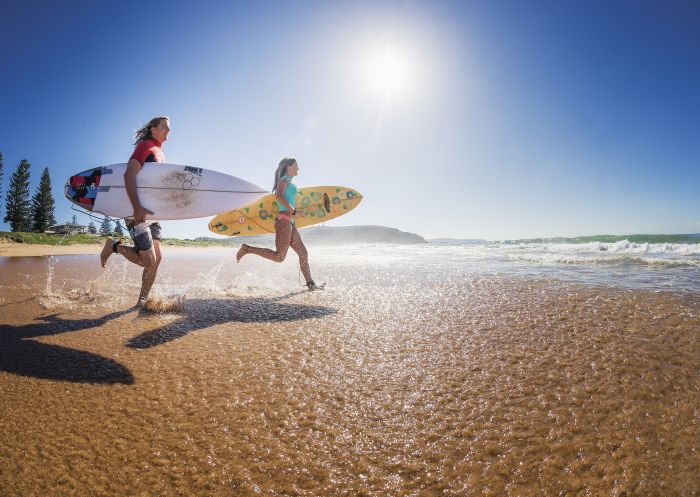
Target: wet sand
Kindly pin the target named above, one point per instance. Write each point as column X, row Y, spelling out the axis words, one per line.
column 382, row 385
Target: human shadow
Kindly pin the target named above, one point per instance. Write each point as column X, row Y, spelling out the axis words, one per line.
column 203, row 313
column 22, row 356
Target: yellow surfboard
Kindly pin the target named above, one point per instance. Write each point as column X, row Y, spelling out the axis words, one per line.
column 315, row 205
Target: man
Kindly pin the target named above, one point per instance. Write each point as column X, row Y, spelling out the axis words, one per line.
column 145, row 234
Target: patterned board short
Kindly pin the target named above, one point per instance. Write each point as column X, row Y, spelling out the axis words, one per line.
column 143, row 236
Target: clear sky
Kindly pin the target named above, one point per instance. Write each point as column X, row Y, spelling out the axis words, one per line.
column 465, row 119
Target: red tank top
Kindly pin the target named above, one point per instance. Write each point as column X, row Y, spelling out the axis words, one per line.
column 148, row 151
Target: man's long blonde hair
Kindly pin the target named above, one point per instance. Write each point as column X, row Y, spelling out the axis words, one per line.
column 282, row 171
column 145, row 133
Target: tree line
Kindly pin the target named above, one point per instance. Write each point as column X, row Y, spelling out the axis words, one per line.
column 36, row 214
column 22, row 212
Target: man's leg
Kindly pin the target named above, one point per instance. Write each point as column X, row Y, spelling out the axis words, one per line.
column 129, row 253
column 149, row 272
column 149, row 261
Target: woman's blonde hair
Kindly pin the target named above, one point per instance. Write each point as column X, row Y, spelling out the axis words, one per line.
column 145, row 132
column 282, row 171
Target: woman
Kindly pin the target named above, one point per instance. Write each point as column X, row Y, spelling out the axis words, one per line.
column 286, row 233
column 146, row 234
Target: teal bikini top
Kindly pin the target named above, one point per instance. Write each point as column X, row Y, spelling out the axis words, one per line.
column 289, row 194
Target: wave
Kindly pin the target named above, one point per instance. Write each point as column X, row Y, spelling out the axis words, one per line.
column 622, row 246
column 618, row 259
column 692, row 239
column 594, row 253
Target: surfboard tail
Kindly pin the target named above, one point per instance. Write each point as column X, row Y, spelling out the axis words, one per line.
column 82, row 188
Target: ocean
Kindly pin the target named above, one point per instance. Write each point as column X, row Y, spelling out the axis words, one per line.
column 657, row 266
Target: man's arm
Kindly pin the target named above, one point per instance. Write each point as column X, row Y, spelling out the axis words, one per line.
column 132, row 169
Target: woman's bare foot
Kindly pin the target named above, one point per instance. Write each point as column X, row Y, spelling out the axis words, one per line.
column 241, row 252
column 107, row 250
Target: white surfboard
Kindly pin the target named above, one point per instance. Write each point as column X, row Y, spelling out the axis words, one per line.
column 171, row 191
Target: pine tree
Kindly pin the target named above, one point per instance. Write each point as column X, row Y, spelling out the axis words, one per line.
column 43, row 204
column 2, row 173
column 106, row 226
column 92, row 228
column 17, row 206
column 118, row 230
column 75, row 219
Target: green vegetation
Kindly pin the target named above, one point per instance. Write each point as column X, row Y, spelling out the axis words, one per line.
column 177, row 242
column 2, row 173
column 46, row 239
column 17, row 205
column 43, row 204
column 106, row 226
column 22, row 214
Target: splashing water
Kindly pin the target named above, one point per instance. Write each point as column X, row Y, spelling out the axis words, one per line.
column 165, row 305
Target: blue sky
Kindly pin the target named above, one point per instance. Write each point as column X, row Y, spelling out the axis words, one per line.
column 488, row 119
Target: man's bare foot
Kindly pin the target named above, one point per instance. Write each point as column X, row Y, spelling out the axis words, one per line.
column 107, row 250
column 241, row 252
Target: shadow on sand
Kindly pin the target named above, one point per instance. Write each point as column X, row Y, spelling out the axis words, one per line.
column 23, row 356
column 203, row 313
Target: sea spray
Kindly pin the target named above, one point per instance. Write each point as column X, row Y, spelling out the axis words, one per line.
column 207, row 284
column 55, row 296
column 50, row 268
column 165, row 305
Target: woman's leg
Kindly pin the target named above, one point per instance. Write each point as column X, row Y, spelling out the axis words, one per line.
column 298, row 246
column 283, row 235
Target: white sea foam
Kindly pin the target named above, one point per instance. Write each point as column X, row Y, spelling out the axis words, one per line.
column 623, row 246
column 203, row 275
column 596, row 253
column 638, row 265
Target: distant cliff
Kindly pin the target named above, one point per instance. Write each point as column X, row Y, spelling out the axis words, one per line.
column 336, row 235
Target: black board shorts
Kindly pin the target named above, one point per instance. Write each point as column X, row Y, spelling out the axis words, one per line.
column 143, row 237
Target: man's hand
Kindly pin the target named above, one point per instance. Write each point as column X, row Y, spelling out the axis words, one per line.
column 140, row 214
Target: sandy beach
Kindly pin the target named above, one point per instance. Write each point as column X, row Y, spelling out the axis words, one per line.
column 396, row 380
column 13, row 249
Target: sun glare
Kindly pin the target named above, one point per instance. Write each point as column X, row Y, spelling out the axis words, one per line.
column 388, row 71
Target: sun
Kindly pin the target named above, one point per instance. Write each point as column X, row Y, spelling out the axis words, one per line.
column 388, row 71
